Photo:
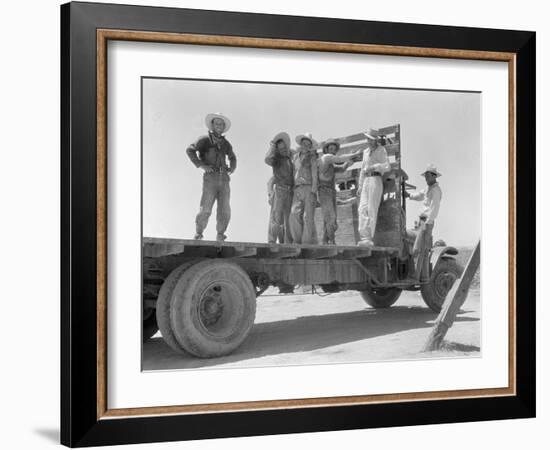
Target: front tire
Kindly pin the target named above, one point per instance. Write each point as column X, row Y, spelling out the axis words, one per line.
column 212, row 308
column 381, row 297
column 443, row 276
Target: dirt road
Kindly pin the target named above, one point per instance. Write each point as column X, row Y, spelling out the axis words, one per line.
column 308, row 329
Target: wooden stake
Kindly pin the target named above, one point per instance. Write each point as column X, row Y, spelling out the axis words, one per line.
column 454, row 300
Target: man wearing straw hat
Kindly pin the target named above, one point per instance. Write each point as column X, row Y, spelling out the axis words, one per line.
column 375, row 164
column 431, row 197
column 329, row 164
column 211, row 153
column 279, row 157
column 302, row 212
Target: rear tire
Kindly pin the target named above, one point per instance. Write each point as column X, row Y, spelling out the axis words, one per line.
column 443, row 276
column 212, row 309
column 380, row 298
column 163, row 306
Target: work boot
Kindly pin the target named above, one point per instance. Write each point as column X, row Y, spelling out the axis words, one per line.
column 198, row 237
column 221, row 237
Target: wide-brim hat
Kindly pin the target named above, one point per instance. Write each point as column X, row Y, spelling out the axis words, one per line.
column 331, row 141
column 210, row 117
column 282, row 136
column 309, row 137
column 432, row 169
column 372, row 133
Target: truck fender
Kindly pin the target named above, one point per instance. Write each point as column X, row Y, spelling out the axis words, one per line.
column 442, row 252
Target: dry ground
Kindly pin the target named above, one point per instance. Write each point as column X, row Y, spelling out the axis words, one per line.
column 309, row 329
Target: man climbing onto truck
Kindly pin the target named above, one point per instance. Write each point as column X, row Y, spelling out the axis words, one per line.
column 431, row 197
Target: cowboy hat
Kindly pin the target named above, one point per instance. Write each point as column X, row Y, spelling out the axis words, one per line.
column 309, row 137
column 331, row 141
column 372, row 133
column 282, row 136
column 432, row 169
column 210, row 117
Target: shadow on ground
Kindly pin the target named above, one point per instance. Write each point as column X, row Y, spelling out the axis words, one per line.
column 302, row 334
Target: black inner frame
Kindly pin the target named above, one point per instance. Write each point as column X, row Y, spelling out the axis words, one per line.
column 79, row 424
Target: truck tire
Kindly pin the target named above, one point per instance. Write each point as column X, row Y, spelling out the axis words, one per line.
column 213, row 308
column 163, row 306
column 381, row 297
column 443, row 276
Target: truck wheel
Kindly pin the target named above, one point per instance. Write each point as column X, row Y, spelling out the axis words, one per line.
column 381, row 297
column 213, row 308
column 150, row 326
column 163, row 306
column 445, row 273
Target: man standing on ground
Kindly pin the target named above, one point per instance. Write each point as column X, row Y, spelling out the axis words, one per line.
column 305, row 190
column 375, row 165
column 329, row 163
column 210, row 153
column 279, row 157
column 431, row 196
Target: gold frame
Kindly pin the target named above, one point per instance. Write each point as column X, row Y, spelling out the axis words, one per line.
column 103, row 36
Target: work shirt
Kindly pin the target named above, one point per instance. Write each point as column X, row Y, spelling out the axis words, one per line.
column 283, row 167
column 431, row 197
column 212, row 151
column 374, row 160
column 305, row 167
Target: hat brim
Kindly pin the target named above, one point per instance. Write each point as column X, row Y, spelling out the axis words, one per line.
column 314, row 143
column 210, row 117
column 282, row 136
column 436, row 173
column 329, row 142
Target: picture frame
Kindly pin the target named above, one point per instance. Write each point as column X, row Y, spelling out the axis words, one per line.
column 86, row 418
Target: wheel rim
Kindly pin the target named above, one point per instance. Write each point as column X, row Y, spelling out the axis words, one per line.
column 443, row 283
column 219, row 309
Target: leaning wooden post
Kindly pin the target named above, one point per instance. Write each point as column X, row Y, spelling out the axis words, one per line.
column 454, row 300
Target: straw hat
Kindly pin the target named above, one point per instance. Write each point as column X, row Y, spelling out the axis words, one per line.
column 372, row 133
column 431, row 168
column 331, row 141
column 210, row 117
column 309, row 137
column 282, row 136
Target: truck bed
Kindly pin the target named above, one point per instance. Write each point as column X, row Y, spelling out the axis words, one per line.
column 157, row 247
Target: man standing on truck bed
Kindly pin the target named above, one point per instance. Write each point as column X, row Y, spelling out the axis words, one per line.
column 375, row 164
column 279, row 157
column 305, row 190
column 329, row 163
column 210, row 153
column 431, row 196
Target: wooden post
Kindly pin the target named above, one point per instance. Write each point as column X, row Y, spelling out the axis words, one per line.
column 454, row 300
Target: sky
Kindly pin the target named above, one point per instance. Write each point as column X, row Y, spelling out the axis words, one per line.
column 442, row 128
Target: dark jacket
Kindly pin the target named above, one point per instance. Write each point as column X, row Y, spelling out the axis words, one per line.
column 209, row 151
